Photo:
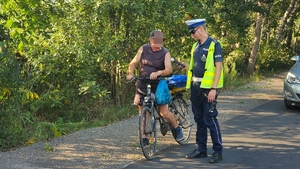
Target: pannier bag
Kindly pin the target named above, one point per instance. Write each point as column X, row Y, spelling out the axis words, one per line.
column 177, row 80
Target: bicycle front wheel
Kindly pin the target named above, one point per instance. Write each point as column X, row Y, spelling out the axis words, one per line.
column 147, row 133
column 180, row 109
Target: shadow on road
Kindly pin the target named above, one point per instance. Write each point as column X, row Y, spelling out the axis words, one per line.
column 267, row 136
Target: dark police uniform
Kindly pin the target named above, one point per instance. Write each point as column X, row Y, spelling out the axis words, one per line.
column 200, row 104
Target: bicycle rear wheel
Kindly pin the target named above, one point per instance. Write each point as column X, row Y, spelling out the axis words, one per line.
column 180, row 109
column 147, row 133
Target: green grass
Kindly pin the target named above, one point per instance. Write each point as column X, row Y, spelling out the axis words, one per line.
column 35, row 130
column 232, row 83
column 103, row 117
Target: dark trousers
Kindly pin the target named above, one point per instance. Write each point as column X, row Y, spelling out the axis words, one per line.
column 205, row 119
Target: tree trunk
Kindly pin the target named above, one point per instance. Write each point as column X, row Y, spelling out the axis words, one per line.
column 289, row 37
column 113, row 84
column 255, row 48
column 115, row 17
column 287, row 15
column 117, row 87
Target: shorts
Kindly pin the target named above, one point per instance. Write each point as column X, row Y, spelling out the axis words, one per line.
column 141, row 91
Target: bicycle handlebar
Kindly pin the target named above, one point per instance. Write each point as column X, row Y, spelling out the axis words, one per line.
column 133, row 79
column 177, row 62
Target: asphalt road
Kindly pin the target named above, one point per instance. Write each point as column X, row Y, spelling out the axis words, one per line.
column 267, row 136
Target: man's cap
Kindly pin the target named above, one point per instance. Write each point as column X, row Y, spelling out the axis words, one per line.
column 194, row 23
column 156, row 34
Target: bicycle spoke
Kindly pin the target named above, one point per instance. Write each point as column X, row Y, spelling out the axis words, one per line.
column 182, row 116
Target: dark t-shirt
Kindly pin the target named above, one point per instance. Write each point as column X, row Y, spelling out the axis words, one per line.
column 200, row 55
column 150, row 62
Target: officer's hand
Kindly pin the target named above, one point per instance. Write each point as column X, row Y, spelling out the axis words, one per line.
column 181, row 66
column 211, row 95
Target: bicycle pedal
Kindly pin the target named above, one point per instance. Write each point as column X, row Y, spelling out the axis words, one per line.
column 163, row 129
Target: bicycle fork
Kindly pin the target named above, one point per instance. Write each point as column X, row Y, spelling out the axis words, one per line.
column 148, row 123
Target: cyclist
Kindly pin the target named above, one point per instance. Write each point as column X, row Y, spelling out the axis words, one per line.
column 154, row 60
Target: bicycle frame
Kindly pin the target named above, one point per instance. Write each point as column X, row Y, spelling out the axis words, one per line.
column 148, row 118
column 150, row 102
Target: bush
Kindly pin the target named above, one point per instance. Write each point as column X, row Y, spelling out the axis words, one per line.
column 273, row 60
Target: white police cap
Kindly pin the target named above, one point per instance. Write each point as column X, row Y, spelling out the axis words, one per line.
column 194, row 23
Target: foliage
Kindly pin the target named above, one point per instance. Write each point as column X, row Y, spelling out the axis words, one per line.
column 47, row 147
column 271, row 60
column 63, row 62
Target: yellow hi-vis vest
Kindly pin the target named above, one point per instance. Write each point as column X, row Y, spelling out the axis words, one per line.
column 209, row 74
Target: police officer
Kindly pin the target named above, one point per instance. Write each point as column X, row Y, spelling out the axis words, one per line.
column 205, row 77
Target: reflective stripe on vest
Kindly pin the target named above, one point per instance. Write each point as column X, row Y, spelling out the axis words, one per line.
column 190, row 73
column 209, row 74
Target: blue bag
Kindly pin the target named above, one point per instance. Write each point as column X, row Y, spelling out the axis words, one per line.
column 177, row 80
column 163, row 95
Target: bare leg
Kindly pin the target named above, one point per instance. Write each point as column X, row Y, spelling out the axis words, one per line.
column 164, row 111
column 140, row 110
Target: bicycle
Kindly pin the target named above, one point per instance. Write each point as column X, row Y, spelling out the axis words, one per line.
column 150, row 115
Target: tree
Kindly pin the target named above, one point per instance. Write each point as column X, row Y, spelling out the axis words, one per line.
column 67, row 59
column 285, row 21
column 256, row 42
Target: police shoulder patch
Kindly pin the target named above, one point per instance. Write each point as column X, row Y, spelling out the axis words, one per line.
column 214, row 40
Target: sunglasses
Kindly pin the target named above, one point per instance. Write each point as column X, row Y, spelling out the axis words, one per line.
column 193, row 31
